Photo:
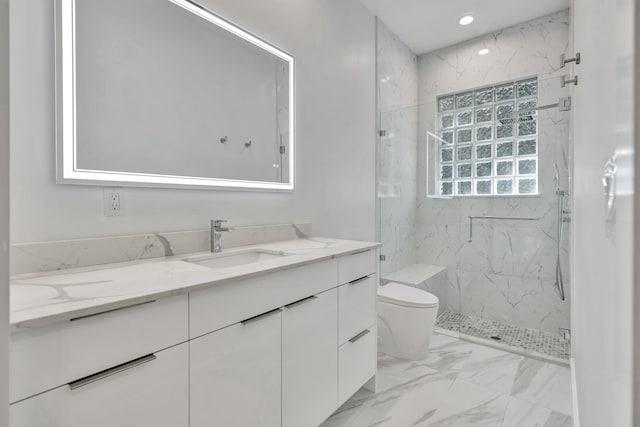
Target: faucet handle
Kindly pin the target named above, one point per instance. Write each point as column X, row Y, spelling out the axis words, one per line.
column 217, row 222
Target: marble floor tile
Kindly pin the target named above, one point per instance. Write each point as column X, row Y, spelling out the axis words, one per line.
column 491, row 368
column 523, row 414
column 467, row 404
column 461, row 384
column 543, row 384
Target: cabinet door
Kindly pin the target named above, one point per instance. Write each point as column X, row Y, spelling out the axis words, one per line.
column 151, row 391
column 310, row 360
column 236, row 374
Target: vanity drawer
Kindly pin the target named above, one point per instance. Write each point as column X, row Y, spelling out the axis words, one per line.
column 356, row 363
column 356, row 265
column 47, row 357
column 356, row 306
column 153, row 391
column 224, row 305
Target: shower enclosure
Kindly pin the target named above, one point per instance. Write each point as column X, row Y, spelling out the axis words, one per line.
column 468, row 183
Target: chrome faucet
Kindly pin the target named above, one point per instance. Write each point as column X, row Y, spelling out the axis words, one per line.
column 216, row 234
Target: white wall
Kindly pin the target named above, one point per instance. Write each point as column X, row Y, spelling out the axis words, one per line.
column 603, row 124
column 333, row 42
column 4, row 212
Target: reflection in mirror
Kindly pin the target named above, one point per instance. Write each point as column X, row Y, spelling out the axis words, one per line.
column 163, row 92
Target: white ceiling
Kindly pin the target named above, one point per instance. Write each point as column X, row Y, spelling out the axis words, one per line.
column 427, row 25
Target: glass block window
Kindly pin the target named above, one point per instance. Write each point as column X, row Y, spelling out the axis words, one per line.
column 486, row 150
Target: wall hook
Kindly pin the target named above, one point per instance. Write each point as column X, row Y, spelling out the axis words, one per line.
column 223, row 139
column 247, row 144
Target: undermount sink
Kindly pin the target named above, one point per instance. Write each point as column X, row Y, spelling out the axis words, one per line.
column 220, row 261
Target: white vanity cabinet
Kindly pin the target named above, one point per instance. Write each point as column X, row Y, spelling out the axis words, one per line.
column 310, row 360
column 148, row 391
column 281, row 349
column 235, row 374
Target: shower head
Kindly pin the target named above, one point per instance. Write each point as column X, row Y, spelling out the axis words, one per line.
column 557, row 179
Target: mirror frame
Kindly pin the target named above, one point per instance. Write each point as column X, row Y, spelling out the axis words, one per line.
column 67, row 171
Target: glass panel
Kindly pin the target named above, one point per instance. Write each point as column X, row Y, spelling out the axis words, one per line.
column 526, row 147
column 464, row 187
column 504, row 186
column 504, row 111
column 484, row 96
column 483, row 169
column 527, row 186
column 464, row 135
column 527, row 167
column 504, row 92
column 446, row 155
column 484, row 115
column 527, row 128
column 445, row 103
column 527, row 88
column 504, row 167
column 465, row 118
column 527, row 105
column 504, row 131
column 504, row 149
column 464, row 153
column 464, row 100
column 483, row 151
column 464, row 170
column 447, row 136
column 446, row 188
column 446, row 121
column 484, row 133
column 483, row 187
column 446, row 172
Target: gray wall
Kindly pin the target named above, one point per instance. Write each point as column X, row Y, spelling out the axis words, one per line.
column 4, row 211
column 334, row 45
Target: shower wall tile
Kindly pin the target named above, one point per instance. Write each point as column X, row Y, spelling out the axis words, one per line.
column 507, row 272
column 397, row 71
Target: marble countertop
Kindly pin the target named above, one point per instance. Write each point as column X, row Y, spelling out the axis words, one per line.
column 43, row 298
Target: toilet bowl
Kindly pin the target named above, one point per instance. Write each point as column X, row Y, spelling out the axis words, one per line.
column 406, row 318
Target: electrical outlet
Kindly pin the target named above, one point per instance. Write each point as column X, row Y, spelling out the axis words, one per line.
column 114, row 202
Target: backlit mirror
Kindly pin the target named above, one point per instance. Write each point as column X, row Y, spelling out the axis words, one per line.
column 166, row 93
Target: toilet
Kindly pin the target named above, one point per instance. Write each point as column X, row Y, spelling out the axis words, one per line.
column 406, row 318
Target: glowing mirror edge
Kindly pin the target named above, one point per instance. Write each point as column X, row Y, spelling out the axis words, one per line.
column 68, row 172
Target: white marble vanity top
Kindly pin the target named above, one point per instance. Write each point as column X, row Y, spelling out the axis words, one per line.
column 42, row 298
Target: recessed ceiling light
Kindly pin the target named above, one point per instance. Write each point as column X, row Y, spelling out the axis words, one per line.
column 483, row 51
column 466, row 20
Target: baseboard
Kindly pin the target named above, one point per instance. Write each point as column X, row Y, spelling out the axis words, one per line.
column 574, row 393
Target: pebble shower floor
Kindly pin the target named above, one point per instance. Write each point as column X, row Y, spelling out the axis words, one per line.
column 514, row 336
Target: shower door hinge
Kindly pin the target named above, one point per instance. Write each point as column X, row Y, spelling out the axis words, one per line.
column 383, row 133
column 565, row 333
column 383, row 258
column 564, row 104
column 283, row 149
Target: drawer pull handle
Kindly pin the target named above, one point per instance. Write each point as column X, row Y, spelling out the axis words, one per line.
column 360, row 252
column 111, row 371
column 111, row 311
column 362, row 279
column 301, row 301
column 360, row 335
column 260, row 316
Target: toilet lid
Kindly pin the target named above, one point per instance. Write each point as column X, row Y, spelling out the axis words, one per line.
column 406, row 296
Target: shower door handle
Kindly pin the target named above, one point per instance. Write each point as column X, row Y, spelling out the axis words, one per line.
column 609, row 187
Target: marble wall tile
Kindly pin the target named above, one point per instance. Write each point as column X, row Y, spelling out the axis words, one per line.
column 507, row 272
column 397, row 72
column 61, row 255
